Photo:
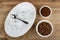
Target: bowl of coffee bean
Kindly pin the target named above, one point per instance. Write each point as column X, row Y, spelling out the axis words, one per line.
column 45, row 11
column 44, row 28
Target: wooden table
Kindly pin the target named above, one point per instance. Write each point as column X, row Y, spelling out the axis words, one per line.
column 7, row 5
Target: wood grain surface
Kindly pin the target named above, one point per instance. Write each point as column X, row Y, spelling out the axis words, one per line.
column 7, row 5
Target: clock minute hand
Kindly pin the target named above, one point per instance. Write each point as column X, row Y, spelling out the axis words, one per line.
column 14, row 16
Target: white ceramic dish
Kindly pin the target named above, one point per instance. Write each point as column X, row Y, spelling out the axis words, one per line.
column 15, row 27
column 41, row 22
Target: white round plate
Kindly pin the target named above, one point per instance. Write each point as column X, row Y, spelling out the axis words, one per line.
column 15, row 27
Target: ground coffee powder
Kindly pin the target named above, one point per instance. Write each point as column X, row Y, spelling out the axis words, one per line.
column 44, row 28
column 45, row 11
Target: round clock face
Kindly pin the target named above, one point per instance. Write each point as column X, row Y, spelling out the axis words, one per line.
column 20, row 19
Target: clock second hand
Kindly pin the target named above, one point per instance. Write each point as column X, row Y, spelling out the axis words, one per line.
column 14, row 16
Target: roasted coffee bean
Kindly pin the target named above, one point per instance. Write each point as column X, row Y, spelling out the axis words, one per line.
column 44, row 28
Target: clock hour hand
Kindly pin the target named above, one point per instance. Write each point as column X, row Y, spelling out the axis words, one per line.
column 14, row 16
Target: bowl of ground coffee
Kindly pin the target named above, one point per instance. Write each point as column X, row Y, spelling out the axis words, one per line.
column 45, row 11
column 44, row 28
